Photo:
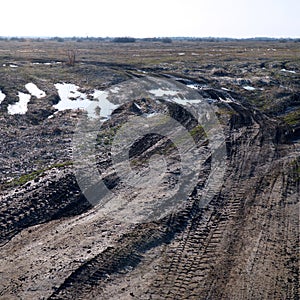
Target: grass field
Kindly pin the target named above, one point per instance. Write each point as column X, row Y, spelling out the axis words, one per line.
column 272, row 68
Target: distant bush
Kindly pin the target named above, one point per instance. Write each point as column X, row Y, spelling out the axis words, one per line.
column 124, row 40
column 18, row 39
column 38, row 40
column 58, row 39
column 166, row 40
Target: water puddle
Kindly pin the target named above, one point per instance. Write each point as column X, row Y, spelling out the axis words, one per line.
column 184, row 101
column 20, row 107
column 34, row 90
column 106, row 107
column 141, row 71
column 48, row 63
column 227, row 100
column 72, row 98
column 151, row 115
column 176, row 96
column 225, row 89
column 249, row 88
column 288, row 71
column 161, row 92
column 2, row 96
column 196, row 86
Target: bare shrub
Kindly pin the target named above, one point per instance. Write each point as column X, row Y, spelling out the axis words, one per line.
column 71, row 57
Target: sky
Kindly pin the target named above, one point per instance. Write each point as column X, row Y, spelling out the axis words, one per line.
column 155, row 18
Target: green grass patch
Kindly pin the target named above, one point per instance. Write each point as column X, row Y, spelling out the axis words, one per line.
column 197, row 131
column 292, row 118
column 106, row 136
column 23, row 179
column 225, row 111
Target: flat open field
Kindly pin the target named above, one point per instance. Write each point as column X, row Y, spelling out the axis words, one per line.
column 57, row 243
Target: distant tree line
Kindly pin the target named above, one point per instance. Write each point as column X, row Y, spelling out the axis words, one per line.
column 166, row 40
column 124, row 40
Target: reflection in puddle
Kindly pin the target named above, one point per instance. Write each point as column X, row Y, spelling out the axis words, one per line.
column 106, row 107
column 34, row 90
column 21, row 106
column 71, row 98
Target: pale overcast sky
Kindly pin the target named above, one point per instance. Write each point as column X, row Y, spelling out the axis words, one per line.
column 144, row 18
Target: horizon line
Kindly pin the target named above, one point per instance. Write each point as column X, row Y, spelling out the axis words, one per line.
column 141, row 38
